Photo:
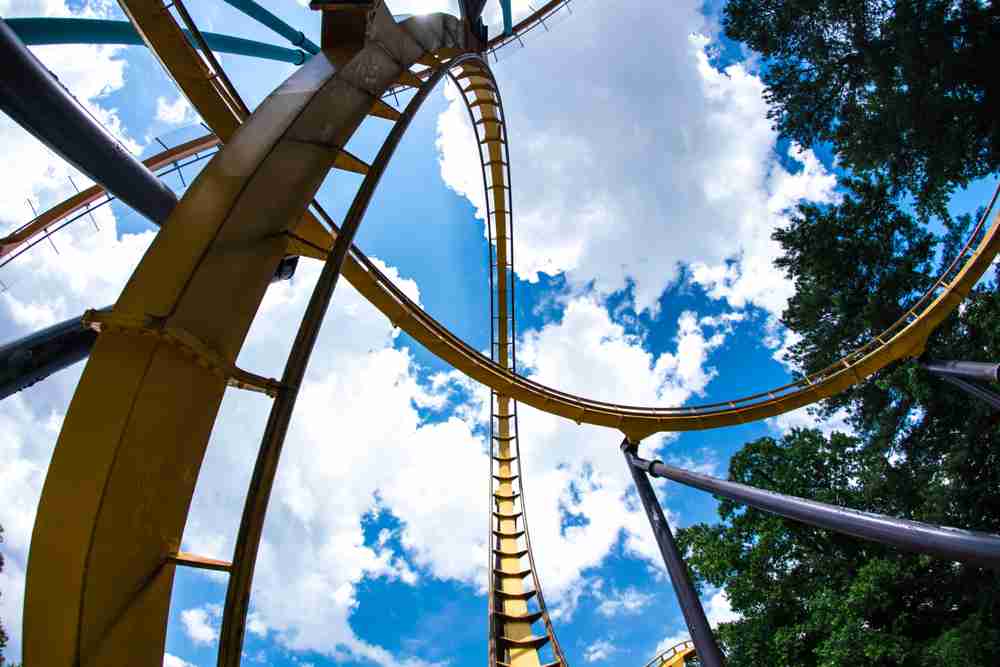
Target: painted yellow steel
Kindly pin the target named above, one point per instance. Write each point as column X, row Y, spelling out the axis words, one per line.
column 125, row 464
column 904, row 339
column 677, row 655
column 512, row 640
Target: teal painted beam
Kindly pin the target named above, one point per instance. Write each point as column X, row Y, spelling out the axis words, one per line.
column 261, row 15
column 39, row 31
column 508, row 17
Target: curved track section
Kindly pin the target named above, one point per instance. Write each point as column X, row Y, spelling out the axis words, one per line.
column 514, row 607
column 905, row 338
column 134, row 437
column 24, row 235
column 678, row 655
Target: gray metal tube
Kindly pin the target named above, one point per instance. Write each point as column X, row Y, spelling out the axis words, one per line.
column 694, row 613
column 979, row 392
column 970, row 370
column 32, row 358
column 951, row 543
column 35, row 99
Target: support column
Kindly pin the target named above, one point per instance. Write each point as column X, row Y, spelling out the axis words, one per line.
column 39, row 103
column 694, row 614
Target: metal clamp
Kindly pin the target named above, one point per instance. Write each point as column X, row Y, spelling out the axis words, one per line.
column 189, row 344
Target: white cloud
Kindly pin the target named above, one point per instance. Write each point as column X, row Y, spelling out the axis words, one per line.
column 805, row 417
column 170, row 660
column 178, row 112
column 628, row 601
column 717, row 610
column 201, row 624
column 602, row 649
column 631, row 165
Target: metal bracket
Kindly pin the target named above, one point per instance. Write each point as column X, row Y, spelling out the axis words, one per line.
column 189, row 344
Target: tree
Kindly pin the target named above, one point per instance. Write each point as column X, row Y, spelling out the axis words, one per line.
column 3, row 635
column 905, row 89
column 810, row 597
column 921, row 449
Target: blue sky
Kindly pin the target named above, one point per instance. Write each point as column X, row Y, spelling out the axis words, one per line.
column 647, row 182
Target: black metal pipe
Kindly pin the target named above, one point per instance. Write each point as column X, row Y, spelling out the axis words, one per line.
column 942, row 541
column 694, row 613
column 32, row 358
column 979, row 392
column 969, row 370
column 39, row 103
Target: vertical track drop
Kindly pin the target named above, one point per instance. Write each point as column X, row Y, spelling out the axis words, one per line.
column 516, row 601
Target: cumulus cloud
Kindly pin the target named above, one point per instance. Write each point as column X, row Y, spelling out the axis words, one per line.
column 631, row 166
column 178, row 112
column 170, row 660
column 602, row 649
column 718, row 610
column 624, row 602
column 201, row 623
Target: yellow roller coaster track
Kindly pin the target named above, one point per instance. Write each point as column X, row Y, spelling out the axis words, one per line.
column 135, row 434
column 904, row 338
column 678, row 655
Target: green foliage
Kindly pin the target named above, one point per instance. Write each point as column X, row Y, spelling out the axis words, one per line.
column 3, row 635
column 921, row 450
column 907, row 89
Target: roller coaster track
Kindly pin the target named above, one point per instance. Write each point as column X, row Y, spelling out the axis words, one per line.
column 904, row 338
column 169, row 344
column 678, row 655
column 135, row 434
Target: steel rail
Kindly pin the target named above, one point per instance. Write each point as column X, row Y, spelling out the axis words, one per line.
column 905, row 338
column 673, row 656
column 916, row 536
column 526, row 25
column 23, row 234
column 52, row 30
column 509, row 618
column 88, row 210
column 136, row 431
column 269, row 453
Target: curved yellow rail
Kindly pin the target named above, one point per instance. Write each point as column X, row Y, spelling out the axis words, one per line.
column 675, row 656
column 905, row 338
column 134, row 436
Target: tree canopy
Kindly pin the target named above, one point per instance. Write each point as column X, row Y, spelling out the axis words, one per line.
column 906, row 89
column 920, row 449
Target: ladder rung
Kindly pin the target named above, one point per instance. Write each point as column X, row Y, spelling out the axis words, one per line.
column 519, row 618
column 483, row 121
column 505, row 459
column 504, row 416
column 503, row 496
column 505, row 478
column 490, row 163
column 519, row 575
column 527, row 642
column 479, row 103
column 200, row 562
column 509, row 554
column 491, row 139
column 516, row 596
column 501, row 515
column 515, row 534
